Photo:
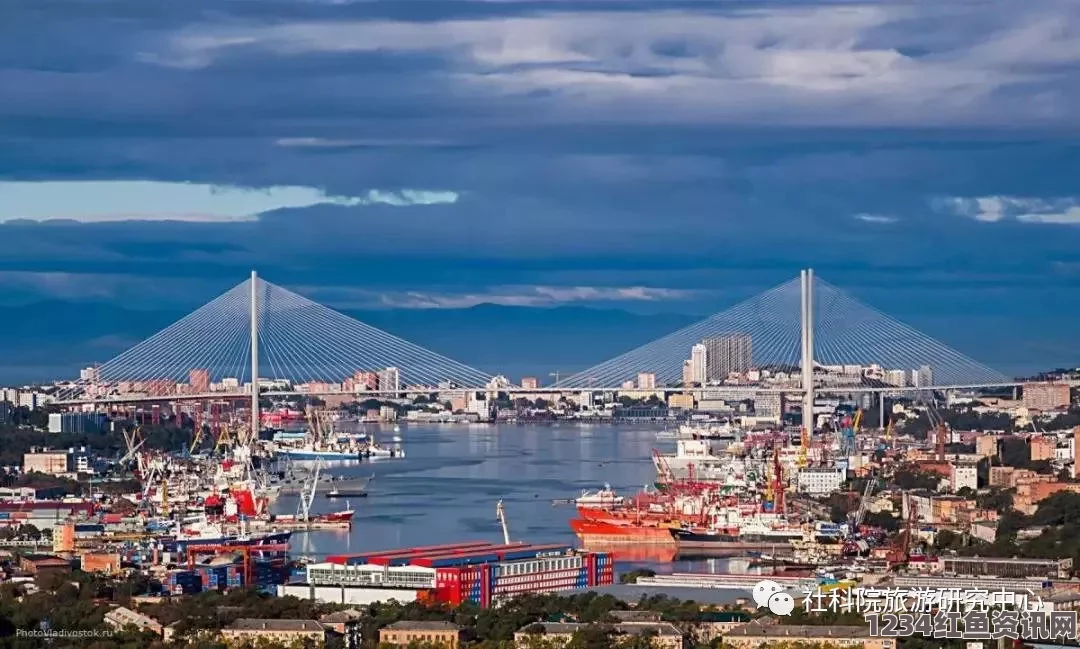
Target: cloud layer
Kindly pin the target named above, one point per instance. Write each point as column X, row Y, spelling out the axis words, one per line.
column 105, row 201
column 672, row 156
column 991, row 209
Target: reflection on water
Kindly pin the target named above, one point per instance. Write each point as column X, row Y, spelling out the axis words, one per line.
column 446, row 488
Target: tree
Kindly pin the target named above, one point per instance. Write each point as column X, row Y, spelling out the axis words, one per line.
column 997, row 499
column 910, row 479
column 632, row 576
column 593, row 636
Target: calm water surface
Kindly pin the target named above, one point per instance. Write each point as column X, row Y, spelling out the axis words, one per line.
column 447, row 487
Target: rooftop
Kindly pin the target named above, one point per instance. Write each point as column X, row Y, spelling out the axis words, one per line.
column 254, row 624
column 346, row 616
column 47, row 560
column 632, row 593
column 1034, row 562
column 634, row 628
column 800, row 631
column 419, row 625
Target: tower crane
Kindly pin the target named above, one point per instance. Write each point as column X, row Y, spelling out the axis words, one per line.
column 804, row 446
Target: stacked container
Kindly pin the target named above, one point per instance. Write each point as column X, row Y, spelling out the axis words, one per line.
column 233, row 577
column 183, row 582
column 268, row 572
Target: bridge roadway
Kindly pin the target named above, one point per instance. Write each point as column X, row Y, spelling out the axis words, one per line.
column 733, row 389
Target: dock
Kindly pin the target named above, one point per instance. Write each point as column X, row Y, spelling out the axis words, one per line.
column 301, row 525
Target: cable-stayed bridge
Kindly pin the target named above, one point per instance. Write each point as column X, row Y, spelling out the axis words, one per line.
column 805, row 333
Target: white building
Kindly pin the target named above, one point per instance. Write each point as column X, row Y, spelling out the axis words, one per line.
column 896, row 377
column 769, row 405
column 964, row 475
column 820, row 480
column 646, row 381
column 699, row 356
column 33, row 399
column 922, row 377
column 389, row 380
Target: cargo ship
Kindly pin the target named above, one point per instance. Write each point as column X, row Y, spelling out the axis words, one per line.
column 338, row 453
column 734, row 528
column 208, row 537
column 616, row 532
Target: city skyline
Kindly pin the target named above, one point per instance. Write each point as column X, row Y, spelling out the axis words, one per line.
column 449, row 155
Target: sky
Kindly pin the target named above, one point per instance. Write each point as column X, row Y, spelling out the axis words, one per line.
column 652, row 157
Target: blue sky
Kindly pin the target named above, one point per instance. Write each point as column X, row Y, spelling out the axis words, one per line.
column 659, row 157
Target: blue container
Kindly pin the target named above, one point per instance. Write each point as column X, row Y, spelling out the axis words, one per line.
column 4, row 516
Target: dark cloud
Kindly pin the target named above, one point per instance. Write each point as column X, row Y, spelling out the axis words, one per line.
column 708, row 150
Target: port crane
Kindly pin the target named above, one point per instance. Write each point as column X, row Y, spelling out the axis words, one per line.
column 900, row 555
column 804, row 446
column 307, row 498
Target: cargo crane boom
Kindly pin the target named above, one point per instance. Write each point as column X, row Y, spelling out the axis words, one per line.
column 500, row 515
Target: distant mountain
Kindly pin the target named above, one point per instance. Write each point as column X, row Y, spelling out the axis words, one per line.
column 54, row 339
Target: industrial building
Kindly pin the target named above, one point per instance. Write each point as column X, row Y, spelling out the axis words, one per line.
column 1003, row 567
column 820, row 480
column 478, row 571
column 78, row 423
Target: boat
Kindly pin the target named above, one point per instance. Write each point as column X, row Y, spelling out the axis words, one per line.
column 309, row 452
column 705, row 460
column 753, row 532
column 723, row 430
column 344, row 493
column 335, row 517
column 374, row 450
column 593, row 531
column 603, row 497
column 213, row 535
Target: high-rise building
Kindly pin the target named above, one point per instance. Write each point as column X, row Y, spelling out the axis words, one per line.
column 389, row 380
column 726, row 354
column 896, row 377
column 365, row 380
column 699, row 355
column 922, row 377
column 1046, row 396
column 530, row 383
column 646, row 381
column 687, row 373
column 199, row 380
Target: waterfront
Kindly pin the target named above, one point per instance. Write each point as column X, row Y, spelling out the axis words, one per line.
column 446, row 488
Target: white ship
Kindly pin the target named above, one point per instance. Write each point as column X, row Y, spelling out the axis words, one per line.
column 705, row 460
column 718, row 431
column 605, row 497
